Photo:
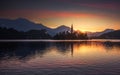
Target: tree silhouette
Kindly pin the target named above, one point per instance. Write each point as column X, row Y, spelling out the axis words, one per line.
column 76, row 35
column 32, row 34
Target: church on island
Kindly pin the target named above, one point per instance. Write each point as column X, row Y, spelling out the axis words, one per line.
column 70, row 35
column 71, row 29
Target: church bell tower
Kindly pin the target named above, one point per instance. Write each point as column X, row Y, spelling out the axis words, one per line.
column 71, row 28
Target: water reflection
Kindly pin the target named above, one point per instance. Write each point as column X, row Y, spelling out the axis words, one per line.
column 24, row 49
column 48, row 56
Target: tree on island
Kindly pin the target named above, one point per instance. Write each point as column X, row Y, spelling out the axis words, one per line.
column 70, row 35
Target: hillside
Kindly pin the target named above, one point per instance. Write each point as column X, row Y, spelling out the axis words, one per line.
column 111, row 35
column 25, row 25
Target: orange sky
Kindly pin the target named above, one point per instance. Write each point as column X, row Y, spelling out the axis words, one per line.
column 85, row 15
column 81, row 21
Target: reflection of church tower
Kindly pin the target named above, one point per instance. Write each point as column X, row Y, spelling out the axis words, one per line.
column 72, row 49
column 71, row 28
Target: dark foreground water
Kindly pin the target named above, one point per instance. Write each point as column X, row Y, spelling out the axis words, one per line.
column 60, row 58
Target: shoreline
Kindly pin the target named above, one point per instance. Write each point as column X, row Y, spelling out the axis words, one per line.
column 51, row 40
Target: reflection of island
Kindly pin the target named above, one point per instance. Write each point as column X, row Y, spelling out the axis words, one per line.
column 26, row 49
column 65, row 47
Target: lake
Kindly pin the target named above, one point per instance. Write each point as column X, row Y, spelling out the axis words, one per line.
column 60, row 57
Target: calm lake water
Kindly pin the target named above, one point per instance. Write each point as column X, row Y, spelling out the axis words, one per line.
column 60, row 57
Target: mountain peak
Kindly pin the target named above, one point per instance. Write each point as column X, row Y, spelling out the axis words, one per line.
column 62, row 27
column 109, row 30
column 22, row 24
column 96, row 34
column 22, row 20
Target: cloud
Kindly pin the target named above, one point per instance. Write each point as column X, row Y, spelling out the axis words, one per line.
column 59, row 8
column 48, row 14
column 110, row 6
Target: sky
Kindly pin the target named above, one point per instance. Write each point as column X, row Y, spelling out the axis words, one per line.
column 85, row 15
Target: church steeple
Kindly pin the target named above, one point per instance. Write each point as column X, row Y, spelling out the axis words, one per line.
column 72, row 28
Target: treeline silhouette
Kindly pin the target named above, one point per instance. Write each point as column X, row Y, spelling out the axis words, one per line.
column 76, row 35
column 32, row 34
column 10, row 33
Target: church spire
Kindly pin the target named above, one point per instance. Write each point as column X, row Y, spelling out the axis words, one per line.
column 72, row 28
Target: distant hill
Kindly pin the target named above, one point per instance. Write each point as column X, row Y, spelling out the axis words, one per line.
column 21, row 24
column 25, row 25
column 111, row 35
column 97, row 34
column 61, row 28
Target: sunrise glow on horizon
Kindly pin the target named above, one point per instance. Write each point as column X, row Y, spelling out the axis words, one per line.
column 88, row 15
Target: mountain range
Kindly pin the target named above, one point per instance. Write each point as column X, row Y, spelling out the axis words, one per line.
column 25, row 25
column 111, row 35
column 97, row 34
